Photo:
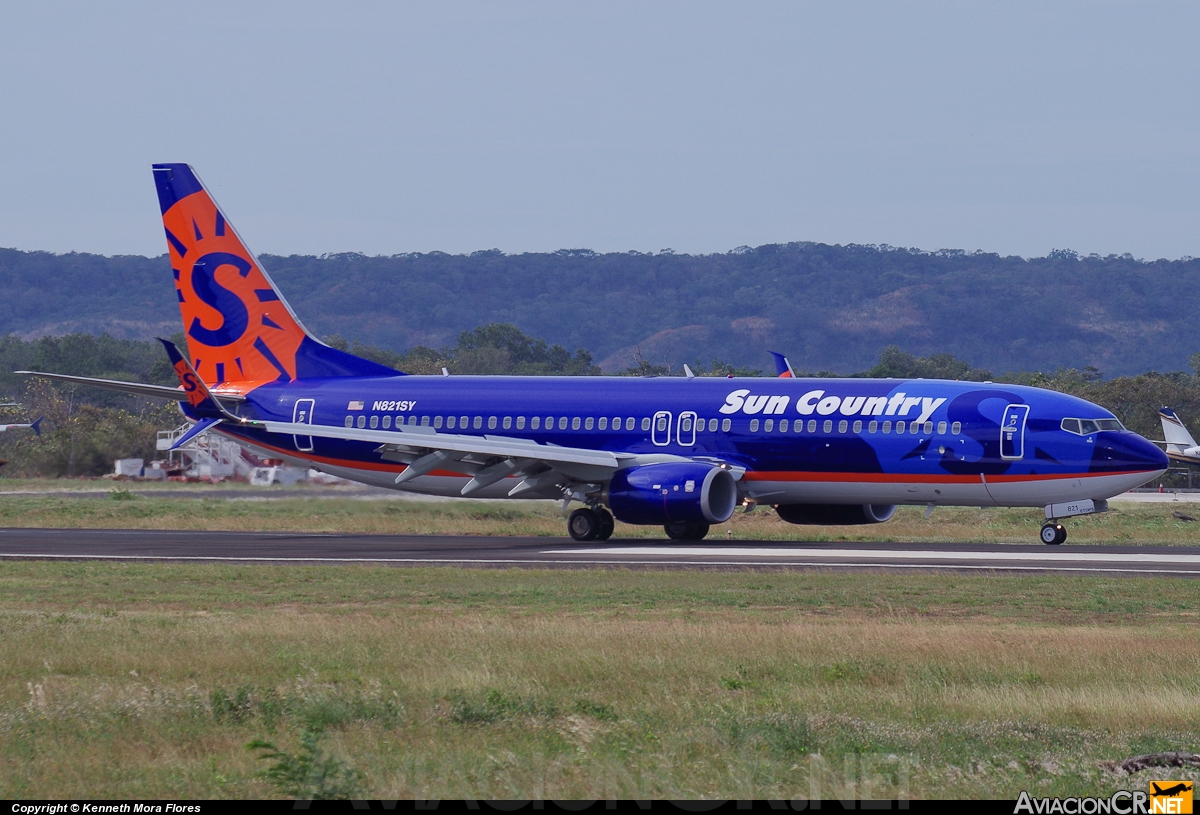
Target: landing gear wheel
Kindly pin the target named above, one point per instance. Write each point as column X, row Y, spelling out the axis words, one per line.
column 606, row 525
column 685, row 531
column 1053, row 534
column 583, row 525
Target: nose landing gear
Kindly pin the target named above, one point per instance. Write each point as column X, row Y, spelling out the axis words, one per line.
column 1053, row 534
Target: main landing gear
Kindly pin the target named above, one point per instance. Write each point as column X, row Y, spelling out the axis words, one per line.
column 597, row 524
column 591, row 524
column 1053, row 534
column 685, row 531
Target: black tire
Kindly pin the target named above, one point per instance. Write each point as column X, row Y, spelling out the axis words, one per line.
column 606, row 525
column 583, row 525
column 1053, row 534
column 685, row 531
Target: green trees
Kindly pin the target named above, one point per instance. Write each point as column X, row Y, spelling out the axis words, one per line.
column 826, row 307
column 495, row 348
column 85, row 429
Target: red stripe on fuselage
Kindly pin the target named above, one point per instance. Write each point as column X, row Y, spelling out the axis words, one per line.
column 754, row 475
column 920, row 478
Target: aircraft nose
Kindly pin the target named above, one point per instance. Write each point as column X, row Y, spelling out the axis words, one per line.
column 1126, row 452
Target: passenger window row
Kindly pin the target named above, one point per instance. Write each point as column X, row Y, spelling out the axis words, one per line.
column 872, row 427
column 506, row 422
column 630, row 423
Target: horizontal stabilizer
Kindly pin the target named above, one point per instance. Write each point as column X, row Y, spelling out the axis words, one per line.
column 137, row 388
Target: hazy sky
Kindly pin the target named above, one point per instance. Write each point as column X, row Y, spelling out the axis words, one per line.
column 394, row 127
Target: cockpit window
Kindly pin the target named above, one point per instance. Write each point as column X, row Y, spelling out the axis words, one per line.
column 1083, row 427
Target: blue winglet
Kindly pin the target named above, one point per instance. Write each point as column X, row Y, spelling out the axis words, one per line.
column 782, row 367
column 197, row 393
column 195, row 430
column 37, row 425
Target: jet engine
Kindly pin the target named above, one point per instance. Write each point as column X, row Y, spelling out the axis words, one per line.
column 673, row 491
column 835, row 514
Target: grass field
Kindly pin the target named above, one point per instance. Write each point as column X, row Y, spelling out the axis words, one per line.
column 123, row 680
column 118, row 508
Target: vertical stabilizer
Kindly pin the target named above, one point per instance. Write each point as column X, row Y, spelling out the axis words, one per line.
column 239, row 328
column 1175, row 434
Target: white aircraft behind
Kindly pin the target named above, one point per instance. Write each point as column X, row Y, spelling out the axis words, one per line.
column 33, row 424
column 1181, row 446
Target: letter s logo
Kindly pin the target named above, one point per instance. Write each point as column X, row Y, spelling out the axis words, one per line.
column 733, row 402
column 189, row 382
column 235, row 316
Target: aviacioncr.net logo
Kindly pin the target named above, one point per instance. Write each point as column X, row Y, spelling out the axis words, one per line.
column 1121, row 802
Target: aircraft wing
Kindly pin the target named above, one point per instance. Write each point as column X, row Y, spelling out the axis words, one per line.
column 157, row 391
column 542, row 468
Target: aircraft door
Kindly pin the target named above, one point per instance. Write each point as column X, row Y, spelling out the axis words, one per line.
column 1012, row 432
column 660, row 430
column 302, row 414
column 686, row 434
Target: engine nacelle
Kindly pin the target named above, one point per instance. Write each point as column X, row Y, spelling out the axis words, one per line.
column 835, row 514
column 673, row 491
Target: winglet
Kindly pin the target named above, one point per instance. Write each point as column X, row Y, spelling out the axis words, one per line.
column 782, row 367
column 36, row 425
column 199, row 397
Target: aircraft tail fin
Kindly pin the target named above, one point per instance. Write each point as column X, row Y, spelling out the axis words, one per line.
column 783, row 368
column 239, row 328
column 1175, row 434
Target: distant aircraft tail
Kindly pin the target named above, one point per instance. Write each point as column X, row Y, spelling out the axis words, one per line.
column 783, row 368
column 239, row 328
column 1175, row 434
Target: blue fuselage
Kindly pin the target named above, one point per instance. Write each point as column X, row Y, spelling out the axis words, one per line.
column 799, row 440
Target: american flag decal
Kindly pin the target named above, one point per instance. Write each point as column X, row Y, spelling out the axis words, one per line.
column 357, row 404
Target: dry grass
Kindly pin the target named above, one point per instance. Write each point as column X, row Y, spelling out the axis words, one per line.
column 1126, row 524
column 148, row 680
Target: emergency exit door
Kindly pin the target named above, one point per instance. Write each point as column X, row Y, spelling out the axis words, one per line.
column 1012, row 432
column 302, row 414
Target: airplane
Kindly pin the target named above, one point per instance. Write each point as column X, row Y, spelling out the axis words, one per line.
column 1169, row 792
column 680, row 452
column 1181, row 447
column 35, row 424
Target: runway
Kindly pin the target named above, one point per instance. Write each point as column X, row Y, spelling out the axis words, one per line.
column 419, row 550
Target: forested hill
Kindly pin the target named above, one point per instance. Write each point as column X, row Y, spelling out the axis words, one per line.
column 828, row 307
